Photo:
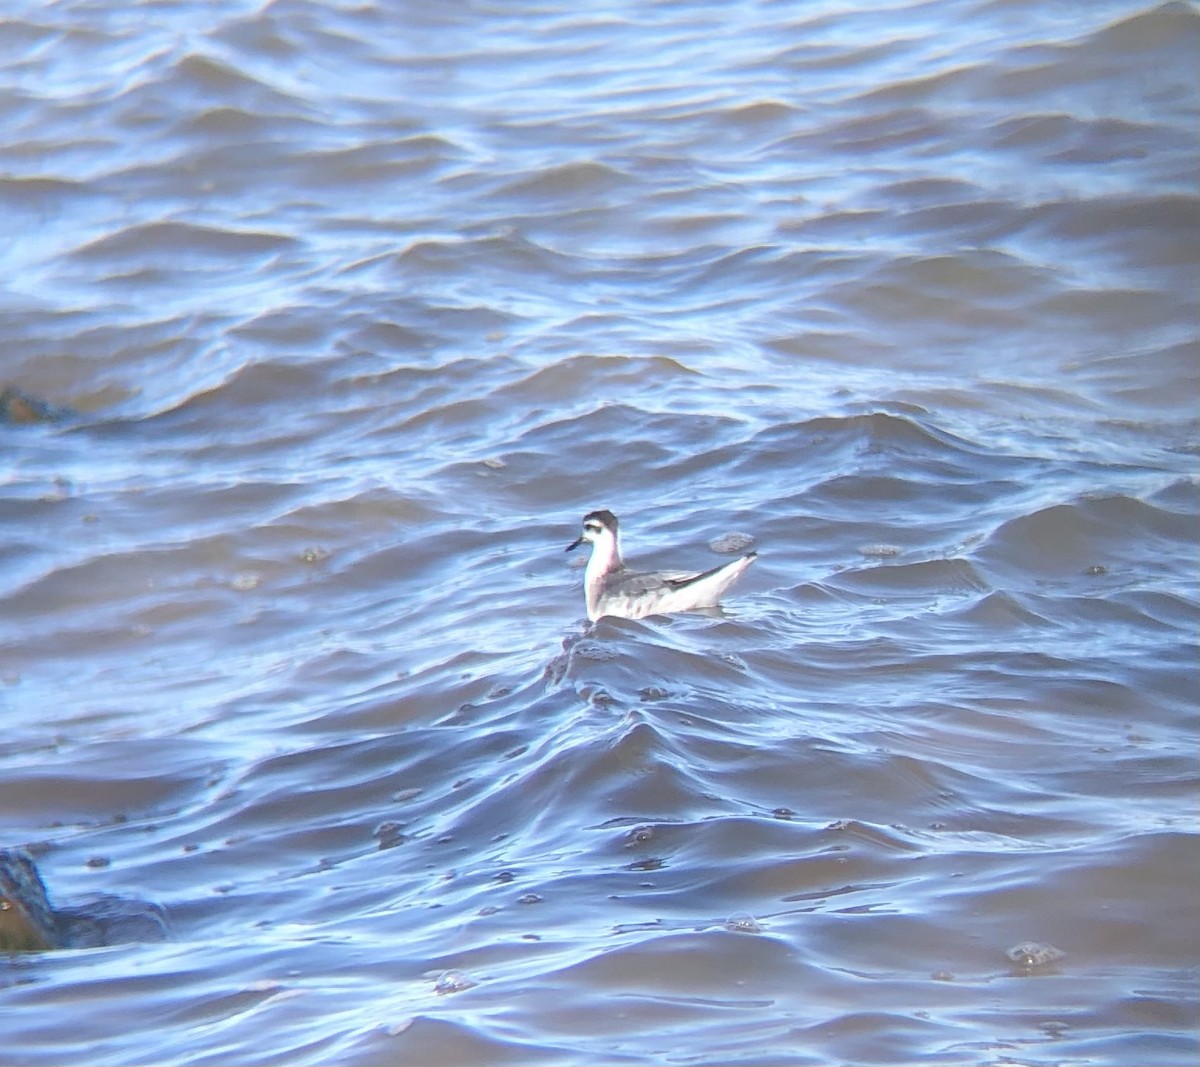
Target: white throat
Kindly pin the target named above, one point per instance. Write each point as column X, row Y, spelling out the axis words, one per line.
column 605, row 559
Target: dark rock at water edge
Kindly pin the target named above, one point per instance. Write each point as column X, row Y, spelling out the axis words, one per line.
column 21, row 408
column 28, row 923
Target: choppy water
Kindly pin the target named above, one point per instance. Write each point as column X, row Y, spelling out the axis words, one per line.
column 352, row 310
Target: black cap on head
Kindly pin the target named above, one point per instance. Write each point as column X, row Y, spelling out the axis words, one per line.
column 604, row 517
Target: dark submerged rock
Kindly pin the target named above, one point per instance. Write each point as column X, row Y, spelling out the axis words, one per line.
column 29, row 924
column 21, row 408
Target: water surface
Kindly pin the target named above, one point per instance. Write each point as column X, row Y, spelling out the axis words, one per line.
column 345, row 314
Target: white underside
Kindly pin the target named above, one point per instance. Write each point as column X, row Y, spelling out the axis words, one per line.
column 634, row 596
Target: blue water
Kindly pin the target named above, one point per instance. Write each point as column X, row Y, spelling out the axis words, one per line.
column 344, row 315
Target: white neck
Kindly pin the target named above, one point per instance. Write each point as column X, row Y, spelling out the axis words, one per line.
column 605, row 558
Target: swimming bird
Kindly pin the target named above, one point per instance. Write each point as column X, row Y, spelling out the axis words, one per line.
column 610, row 588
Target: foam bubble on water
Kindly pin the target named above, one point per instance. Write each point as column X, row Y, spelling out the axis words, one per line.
column 1031, row 954
column 639, row 835
column 880, row 551
column 452, row 982
column 731, row 542
column 390, row 834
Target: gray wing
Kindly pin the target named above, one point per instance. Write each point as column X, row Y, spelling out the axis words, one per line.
column 629, row 584
column 666, row 581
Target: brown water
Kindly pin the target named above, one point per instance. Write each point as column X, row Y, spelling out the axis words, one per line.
column 359, row 308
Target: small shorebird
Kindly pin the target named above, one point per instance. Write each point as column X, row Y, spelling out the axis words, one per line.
column 610, row 588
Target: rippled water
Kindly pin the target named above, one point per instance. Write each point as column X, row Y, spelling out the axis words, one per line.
column 344, row 314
